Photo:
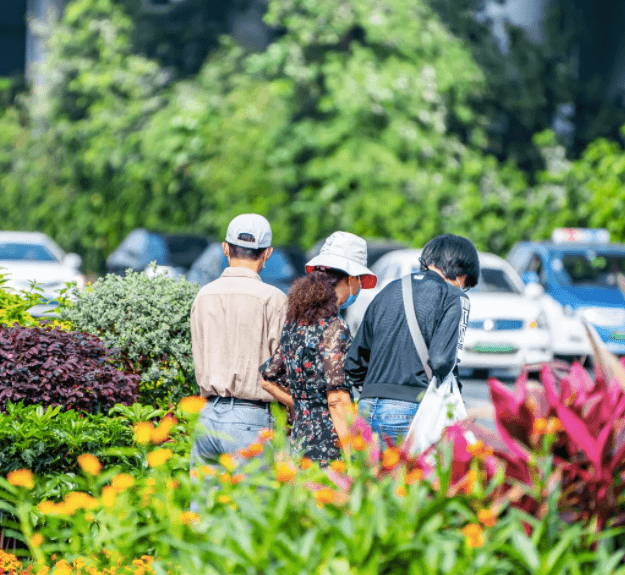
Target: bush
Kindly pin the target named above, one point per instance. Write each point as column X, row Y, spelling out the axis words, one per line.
column 54, row 367
column 14, row 306
column 49, row 441
column 147, row 321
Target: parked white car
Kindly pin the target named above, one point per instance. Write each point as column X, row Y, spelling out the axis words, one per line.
column 31, row 256
column 507, row 327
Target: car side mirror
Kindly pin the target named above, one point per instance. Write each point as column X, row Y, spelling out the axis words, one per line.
column 534, row 290
column 530, row 278
column 72, row 261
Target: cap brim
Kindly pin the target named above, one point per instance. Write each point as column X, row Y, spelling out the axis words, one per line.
column 367, row 277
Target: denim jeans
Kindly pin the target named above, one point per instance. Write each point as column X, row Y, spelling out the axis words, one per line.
column 224, row 427
column 388, row 417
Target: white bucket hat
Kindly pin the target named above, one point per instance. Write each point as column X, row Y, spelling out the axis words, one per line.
column 348, row 253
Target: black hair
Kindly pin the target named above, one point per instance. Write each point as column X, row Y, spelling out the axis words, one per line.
column 454, row 256
column 241, row 253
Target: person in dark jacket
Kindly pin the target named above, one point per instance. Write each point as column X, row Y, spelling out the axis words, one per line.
column 383, row 358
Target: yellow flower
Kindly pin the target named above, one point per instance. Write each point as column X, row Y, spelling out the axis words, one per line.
column 89, row 463
column 338, row 466
column 159, row 457
column 478, row 449
column 473, row 533
column 285, row 472
column 554, row 425
column 46, row 507
column 63, row 569
column 468, row 481
column 79, row 500
column 224, row 499
column 36, row 540
column 390, row 458
column 161, row 433
column 143, row 432
column 227, row 461
column 208, row 470
column 251, row 450
column 122, row 481
column 265, row 435
column 21, row 478
column 400, row 491
column 486, row 517
column 192, row 404
column 305, row 463
column 109, row 493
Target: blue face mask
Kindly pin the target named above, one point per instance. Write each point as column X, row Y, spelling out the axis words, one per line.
column 351, row 299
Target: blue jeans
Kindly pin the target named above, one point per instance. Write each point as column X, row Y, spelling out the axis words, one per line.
column 388, row 417
column 223, row 427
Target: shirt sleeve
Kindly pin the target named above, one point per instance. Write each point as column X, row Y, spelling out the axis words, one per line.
column 357, row 361
column 335, row 344
column 443, row 347
column 274, row 369
column 196, row 344
column 276, row 316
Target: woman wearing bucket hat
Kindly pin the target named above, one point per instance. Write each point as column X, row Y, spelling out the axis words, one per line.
column 307, row 370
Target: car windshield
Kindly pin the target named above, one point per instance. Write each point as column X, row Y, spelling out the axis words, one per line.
column 25, row 252
column 494, row 280
column 589, row 268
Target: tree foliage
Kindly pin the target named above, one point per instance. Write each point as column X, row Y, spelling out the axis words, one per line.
column 374, row 116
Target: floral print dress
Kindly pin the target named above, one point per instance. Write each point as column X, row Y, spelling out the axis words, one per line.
column 310, row 362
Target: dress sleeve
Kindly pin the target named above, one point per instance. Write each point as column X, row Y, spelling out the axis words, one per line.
column 274, row 369
column 336, row 340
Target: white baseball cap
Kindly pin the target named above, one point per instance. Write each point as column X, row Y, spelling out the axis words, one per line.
column 348, row 253
column 253, row 225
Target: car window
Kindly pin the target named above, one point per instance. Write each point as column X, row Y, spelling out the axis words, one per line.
column 590, row 268
column 10, row 251
column 144, row 247
column 493, row 280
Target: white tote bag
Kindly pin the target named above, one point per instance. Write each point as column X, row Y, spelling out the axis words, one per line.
column 441, row 406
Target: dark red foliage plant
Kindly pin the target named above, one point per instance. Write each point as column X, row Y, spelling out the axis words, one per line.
column 55, row 367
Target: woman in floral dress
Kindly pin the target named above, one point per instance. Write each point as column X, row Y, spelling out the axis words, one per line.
column 306, row 371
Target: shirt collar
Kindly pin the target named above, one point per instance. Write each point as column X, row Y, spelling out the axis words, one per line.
column 236, row 272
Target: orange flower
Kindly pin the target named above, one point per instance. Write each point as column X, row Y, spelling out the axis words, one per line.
column 122, row 481
column 159, row 457
column 400, row 491
column 78, row 500
column 161, row 433
column 265, row 435
column 192, row 404
column 473, row 533
column 251, row 450
column 468, row 481
column 143, row 432
column 227, row 461
column 359, row 443
column 539, row 427
column 486, row 517
column 21, row 478
column 390, row 458
column 36, row 540
column 208, row 470
column 305, row 463
column 338, row 466
column 324, row 496
column 479, row 450
column 189, row 517
column 237, row 478
column 285, row 472
column 554, row 425
column 89, row 463
column 415, row 475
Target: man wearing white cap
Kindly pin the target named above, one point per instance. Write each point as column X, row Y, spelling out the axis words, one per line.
column 236, row 322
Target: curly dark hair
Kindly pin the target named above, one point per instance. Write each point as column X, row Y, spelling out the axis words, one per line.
column 313, row 296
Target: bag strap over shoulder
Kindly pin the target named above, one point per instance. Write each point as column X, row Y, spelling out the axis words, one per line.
column 413, row 324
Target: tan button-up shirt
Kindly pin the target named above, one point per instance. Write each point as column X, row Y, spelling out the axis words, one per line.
column 236, row 322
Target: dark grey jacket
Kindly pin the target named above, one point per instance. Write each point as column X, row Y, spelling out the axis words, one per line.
column 383, row 359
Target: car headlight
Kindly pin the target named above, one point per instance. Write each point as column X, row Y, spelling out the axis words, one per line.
column 539, row 322
column 602, row 316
